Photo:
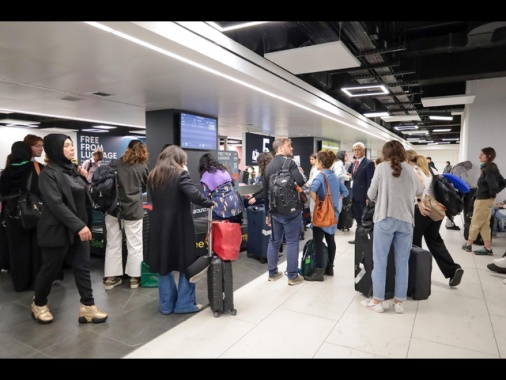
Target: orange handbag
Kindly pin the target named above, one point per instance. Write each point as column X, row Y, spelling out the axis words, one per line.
column 324, row 214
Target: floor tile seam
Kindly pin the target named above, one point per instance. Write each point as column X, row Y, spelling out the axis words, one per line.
column 457, row 347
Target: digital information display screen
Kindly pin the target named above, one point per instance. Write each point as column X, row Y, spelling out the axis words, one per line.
column 198, row 132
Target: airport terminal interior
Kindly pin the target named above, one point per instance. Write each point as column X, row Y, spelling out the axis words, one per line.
column 273, row 320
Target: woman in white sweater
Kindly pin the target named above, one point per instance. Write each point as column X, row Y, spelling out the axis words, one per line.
column 394, row 188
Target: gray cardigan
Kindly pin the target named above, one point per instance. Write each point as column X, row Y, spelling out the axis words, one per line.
column 394, row 196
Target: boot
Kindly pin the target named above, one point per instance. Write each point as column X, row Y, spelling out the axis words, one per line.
column 316, row 276
column 91, row 314
column 329, row 271
column 41, row 314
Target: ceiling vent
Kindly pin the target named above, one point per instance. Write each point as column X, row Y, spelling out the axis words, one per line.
column 98, row 93
column 71, row 98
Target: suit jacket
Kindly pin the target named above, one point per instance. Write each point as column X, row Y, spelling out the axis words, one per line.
column 362, row 179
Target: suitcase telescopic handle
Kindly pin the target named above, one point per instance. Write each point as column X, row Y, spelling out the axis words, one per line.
column 209, row 232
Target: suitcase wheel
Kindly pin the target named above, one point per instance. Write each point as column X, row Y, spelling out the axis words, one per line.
column 263, row 261
column 250, row 255
column 233, row 311
column 216, row 314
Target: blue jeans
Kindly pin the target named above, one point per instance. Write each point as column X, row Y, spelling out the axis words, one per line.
column 289, row 225
column 180, row 299
column 387, row 232
column 498, row 217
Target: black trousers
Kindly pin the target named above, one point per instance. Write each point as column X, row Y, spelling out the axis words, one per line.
column 52, row 262
column 427, row 228
column 318, row 235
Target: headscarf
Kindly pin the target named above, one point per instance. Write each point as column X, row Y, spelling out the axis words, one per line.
column 53, row 146
column 15, row 177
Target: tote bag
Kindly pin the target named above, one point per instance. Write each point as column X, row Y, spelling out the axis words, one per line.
column 226, row 239
column 324, row 214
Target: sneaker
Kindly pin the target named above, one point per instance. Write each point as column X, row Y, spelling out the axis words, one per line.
column 296, row 281
column 135, row 282
column 457, row 277
column 501, row 262
column 494, row 268
column 276, row 276
column 112, row 282
column 466, row 247
column 398, row 308
column 368, row 304
column 484, row 252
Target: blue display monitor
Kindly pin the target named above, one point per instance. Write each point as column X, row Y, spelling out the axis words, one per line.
column 198, row 132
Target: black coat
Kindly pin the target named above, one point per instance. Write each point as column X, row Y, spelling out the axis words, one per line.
column 59, row 222
column 172, row 242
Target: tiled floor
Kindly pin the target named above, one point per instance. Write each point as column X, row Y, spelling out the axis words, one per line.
column 274, row 320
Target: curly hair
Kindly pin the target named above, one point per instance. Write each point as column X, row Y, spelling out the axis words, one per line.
column 394, row 152
column 136, row 153
column 263, row 160
column 327, row 158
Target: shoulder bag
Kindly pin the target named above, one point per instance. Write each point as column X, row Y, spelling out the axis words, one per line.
column 437, row 209
column 324, row 214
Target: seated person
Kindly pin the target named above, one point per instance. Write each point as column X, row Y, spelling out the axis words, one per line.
column 499, row 213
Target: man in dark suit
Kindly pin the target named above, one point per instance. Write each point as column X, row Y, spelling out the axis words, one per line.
column 361, row 172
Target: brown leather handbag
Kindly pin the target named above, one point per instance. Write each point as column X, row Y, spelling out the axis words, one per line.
column 324, row 214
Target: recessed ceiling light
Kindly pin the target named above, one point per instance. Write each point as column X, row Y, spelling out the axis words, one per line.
column 435, row 117
column 442, row 130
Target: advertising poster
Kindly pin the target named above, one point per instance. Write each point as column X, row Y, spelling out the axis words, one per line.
column 256, row 144
column 112, row 146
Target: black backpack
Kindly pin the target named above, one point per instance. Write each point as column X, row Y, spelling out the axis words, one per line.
column 104, row 190
column 283, row 195
column 447, row 194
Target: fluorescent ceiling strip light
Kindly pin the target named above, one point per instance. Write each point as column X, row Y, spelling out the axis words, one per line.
column 18, row 122
column 413, row 139
column 139, row 132
column 376, row 114
column 451, row 139
column 424, row 132
column 442, row 130
column 234, row 27
column 22, row 125
column 441, row 117
column 401, row 118
column 369, row 90
column 218, row 73
column 104, row 127
column 94, row 130
column 405, row 127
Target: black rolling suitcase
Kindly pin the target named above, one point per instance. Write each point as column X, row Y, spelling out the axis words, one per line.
column 220, row 282
column 364, row 264
column 259, row 233
column 420, row 272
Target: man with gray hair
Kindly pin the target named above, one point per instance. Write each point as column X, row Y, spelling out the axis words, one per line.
column 361, row 172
